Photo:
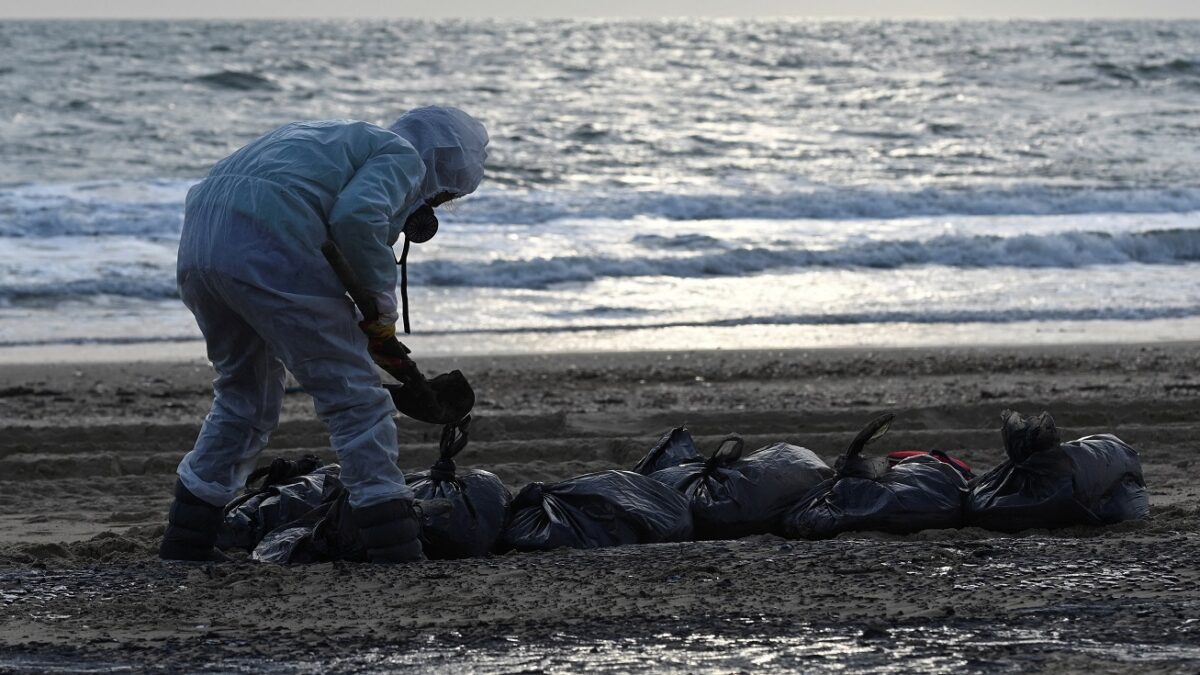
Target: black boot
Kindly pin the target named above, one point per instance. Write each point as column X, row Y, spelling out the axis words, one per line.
column 191, row 529
column 390, row 531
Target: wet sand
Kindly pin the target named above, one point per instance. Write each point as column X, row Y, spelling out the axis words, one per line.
column 87, row 454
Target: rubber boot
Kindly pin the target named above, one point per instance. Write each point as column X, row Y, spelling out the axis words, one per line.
column 390, row 531
column 191, row 529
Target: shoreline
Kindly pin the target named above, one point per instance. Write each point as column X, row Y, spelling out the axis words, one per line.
column 1068, row 335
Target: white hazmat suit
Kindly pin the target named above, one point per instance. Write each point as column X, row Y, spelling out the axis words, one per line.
column 251, row 270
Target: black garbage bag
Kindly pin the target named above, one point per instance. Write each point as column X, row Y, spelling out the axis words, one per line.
column 606, row 508
column 919, row 492
column 323, row 534
column 275, row 495
column 674, row 448
column 1096, row 480
column 328, row 533
column 445, row 399
column 731, row 496
column 479, row 502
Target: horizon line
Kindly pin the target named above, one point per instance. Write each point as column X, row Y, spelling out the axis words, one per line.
column 550, row 17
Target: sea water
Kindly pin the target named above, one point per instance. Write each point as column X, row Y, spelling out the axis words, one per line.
column 651, row 184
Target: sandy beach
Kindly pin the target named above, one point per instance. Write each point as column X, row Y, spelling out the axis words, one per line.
column 87, row 454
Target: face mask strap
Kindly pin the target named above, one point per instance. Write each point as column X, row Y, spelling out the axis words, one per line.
column 403, row 262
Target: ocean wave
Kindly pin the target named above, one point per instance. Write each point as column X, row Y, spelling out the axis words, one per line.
column 151, row 285
column 78, row 220
column 238, row 80
column 536, row 207
column 679, row 242
column 154, row 208
column 1177, row 70
column 151, row 208
column 1065, row 250
column 598, row 312
column 109, row 340
column 1176, row 66
column 1062, row 250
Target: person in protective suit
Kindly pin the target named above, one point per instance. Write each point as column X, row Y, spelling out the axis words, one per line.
column 252, row 272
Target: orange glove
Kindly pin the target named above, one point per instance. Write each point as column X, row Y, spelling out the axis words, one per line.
column 388, row 352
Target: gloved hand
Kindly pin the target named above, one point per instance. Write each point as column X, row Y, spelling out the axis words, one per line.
column 447, row 398
column 381, row 333
column 382, row 327
column 385, row 349
column 386, row 316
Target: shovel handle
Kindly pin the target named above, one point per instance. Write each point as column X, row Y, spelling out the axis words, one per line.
column 358, row 293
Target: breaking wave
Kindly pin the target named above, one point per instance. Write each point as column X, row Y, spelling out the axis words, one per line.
column 156, row 285
column 1063, row 250
column 154, row 208
column 689, row 256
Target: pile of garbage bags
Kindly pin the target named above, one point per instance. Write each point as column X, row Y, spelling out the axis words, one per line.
column 296, row 512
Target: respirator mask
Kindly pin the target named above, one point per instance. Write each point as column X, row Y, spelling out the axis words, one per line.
column 421, row 225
